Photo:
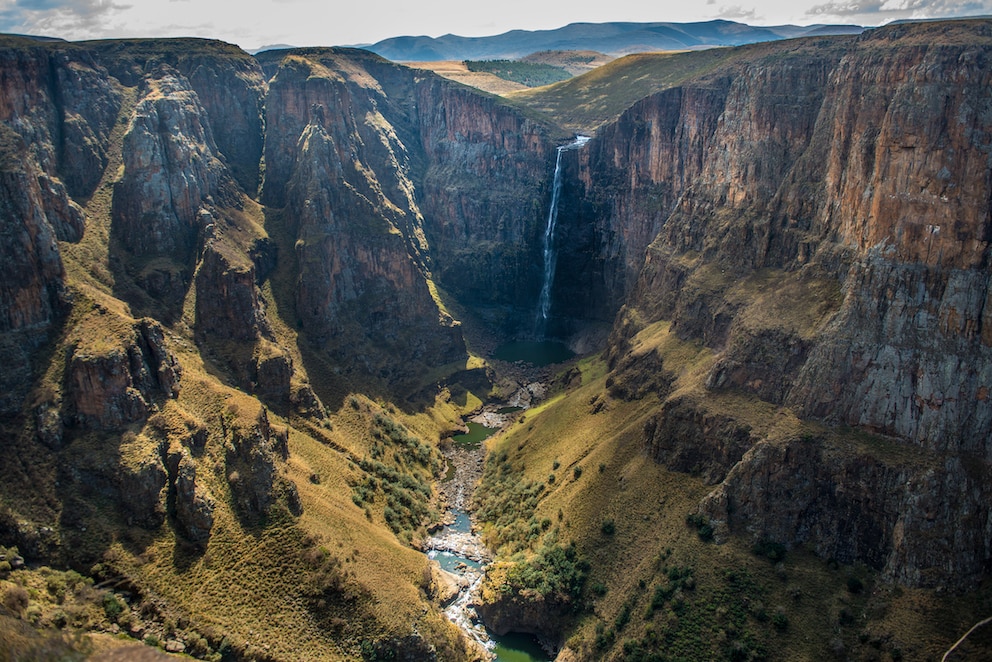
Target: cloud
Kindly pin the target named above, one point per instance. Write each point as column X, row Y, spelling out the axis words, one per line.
column 737, row 13
column 61, row 17
column 895, row 9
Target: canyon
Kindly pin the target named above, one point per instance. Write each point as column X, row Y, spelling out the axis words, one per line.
column 245, row 300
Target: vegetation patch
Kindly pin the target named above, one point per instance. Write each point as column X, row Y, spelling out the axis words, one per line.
column 531, row 74
column 401, row 467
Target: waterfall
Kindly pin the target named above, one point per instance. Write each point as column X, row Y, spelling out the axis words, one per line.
column 548, row 244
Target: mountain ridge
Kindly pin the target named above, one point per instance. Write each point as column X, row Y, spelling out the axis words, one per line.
column 615, row 38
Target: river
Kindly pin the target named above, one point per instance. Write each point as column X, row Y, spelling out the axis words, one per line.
column 459, row 550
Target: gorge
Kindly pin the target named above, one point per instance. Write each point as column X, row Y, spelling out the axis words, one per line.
column 246, row 302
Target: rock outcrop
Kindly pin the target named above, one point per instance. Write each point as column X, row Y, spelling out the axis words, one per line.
column 920, row 523
column 113, row 379
column 252, row 473
column 194, row 505
column 228, row 304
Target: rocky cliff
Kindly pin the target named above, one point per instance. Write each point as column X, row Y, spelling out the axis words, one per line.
column 335, row 159
column 188, row 233
column 820, row 218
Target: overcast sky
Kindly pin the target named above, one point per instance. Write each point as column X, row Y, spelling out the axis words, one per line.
column 254, row 23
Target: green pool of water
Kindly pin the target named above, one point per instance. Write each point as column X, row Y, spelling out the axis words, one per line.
column 518, row 648
column 541, row 353
column 476, row 435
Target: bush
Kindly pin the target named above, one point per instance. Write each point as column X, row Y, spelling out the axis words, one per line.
column 623, row 617
column 16, row 598
column 112, row 607
column 854, row 585
column 577, row 472
column 702, row 526
column 780, row 621
column 773, row 551
column 608, row 527
column 557, row 573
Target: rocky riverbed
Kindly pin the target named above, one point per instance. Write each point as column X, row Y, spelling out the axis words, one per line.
column 456, row 546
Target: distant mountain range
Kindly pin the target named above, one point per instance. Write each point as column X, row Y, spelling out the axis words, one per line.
column 610, row 38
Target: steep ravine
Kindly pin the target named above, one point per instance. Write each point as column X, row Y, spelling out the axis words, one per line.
column 226, row 402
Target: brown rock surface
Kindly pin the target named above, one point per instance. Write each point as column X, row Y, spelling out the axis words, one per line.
column 114, row 378
column 171, row 171
column 861, row 163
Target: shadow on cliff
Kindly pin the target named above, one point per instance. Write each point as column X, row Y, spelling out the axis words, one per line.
column 152, row 287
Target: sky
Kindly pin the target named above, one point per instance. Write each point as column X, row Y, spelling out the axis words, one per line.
column 255, row 23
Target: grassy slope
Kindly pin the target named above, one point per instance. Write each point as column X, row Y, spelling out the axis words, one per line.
column 458, row 72
column 585, row 102
column 252, row 586
column 741, row 605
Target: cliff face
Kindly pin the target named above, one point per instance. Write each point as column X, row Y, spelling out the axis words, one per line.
column 33, row 296
column 464, row 179
column 485, row 194
column 336, row 160
column 820, row 218
column 171, row 172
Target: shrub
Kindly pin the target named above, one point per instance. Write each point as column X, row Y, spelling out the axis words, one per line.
column 702, row 526
column 16, row 598
column 773, row 551
column 854, row 585
column 780, row 621
column 557, row 573
column 623, row 617
column 608, row 527
column 577, row 472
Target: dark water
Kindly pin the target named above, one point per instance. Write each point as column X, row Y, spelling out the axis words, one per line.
column 476, row 435
column 508, row 410
column 540, row 353
column 518, row 648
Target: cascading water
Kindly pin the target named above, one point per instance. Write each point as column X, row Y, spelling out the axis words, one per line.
column 548, row 244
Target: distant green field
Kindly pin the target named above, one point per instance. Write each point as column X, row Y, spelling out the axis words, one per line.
column 585, row 102
column 526, row 73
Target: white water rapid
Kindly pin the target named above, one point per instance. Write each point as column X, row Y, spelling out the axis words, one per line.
column 548, row 245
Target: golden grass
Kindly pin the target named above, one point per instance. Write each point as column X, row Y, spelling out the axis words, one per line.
column 87, row 262
column 459, row 72
column 649, row 505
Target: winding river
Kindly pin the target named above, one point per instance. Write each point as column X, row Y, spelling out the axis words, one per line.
column 460, row 552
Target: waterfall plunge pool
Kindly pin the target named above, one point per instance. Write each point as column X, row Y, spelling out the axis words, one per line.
column 537, row 353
